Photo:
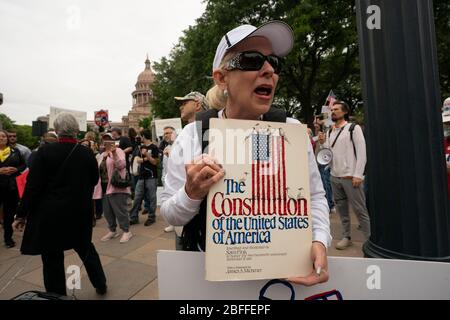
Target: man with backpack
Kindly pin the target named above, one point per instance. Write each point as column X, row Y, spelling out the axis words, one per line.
column 346, row 140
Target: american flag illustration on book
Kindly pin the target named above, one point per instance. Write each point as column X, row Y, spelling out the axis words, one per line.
column 268, row 172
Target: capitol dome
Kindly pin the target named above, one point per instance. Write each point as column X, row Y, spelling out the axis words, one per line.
column 146, row 77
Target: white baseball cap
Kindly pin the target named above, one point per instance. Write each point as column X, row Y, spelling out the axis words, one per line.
column 278, row 33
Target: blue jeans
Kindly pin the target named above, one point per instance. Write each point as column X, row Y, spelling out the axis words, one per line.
column 144, row 190
column 325, row 175
column 134, row 180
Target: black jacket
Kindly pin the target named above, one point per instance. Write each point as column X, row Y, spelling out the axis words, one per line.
column 15, row 160
column 57, row 201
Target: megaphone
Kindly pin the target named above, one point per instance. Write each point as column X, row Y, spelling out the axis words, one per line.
column 324, row 156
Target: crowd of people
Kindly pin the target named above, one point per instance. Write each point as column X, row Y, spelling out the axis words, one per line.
column 73, row 183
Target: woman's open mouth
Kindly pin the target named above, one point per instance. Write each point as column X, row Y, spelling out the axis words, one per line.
column 264, row 91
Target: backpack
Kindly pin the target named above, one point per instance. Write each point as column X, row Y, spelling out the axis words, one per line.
column 194, row 232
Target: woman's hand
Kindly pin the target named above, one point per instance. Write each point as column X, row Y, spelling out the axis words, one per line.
column 201, row 175
column 13, row 170
column 320, row 263
column 19, row 224
column 8, row 171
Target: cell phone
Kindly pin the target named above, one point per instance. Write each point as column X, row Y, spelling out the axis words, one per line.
column 116, row 143
column 108, row 144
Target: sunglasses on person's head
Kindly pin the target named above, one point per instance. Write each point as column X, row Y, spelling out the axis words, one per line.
column 253, row 61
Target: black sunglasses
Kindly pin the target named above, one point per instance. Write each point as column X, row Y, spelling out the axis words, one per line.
column 253, row 61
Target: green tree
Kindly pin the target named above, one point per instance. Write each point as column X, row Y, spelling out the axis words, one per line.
column 25, row 137
column 24, row 132
column 324, row 57
column 146, row 122
column 5, row 122
column 442, row 25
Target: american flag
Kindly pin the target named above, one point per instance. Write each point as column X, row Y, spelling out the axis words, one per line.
column 268, row 173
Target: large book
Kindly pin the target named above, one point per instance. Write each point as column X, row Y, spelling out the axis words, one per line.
column 258, row 222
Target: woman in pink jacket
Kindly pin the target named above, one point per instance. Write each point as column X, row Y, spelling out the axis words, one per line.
column 114, row 199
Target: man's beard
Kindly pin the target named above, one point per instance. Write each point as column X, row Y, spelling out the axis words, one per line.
column 334, row 118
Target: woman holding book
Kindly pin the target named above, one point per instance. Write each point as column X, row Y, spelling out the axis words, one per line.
column 246, row 68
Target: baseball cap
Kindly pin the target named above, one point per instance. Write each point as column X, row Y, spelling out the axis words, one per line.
column 107, row 136
column 196, row 96
column 278, row 33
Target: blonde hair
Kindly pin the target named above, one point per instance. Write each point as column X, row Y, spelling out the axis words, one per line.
column 215, row 98
column 90, row 135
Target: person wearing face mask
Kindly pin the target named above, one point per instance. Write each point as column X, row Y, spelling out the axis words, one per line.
column 246, row 68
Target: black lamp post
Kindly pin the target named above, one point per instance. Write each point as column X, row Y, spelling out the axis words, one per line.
column 408, row 201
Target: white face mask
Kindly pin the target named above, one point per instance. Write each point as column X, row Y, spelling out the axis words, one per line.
column 446, row 129
column 446, row 106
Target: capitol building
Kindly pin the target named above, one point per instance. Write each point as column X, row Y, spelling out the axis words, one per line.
column 142, row 97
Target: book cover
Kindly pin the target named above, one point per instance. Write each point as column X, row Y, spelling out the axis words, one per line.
column 258, row 216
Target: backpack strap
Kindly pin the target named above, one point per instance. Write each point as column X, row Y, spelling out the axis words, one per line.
column 202, row 124
column 352, row 127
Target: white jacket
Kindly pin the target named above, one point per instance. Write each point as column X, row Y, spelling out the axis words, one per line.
column 344, row 163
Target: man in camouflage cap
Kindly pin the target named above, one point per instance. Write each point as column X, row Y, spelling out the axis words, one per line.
column 191, row 103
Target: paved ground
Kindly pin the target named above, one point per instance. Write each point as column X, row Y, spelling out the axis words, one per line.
column 130, row 268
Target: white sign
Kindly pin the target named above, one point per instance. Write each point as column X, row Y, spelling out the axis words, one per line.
column 81, row 117
column 326, row 112
column 326, row 109
column 352, row 278
column 162, row 123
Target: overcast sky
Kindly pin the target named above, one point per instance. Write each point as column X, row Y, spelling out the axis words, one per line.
column 83, row 54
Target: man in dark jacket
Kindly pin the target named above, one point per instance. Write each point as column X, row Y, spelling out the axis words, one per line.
column 57, row 207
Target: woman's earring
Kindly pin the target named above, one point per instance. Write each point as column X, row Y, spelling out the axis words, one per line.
column 225, row 93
